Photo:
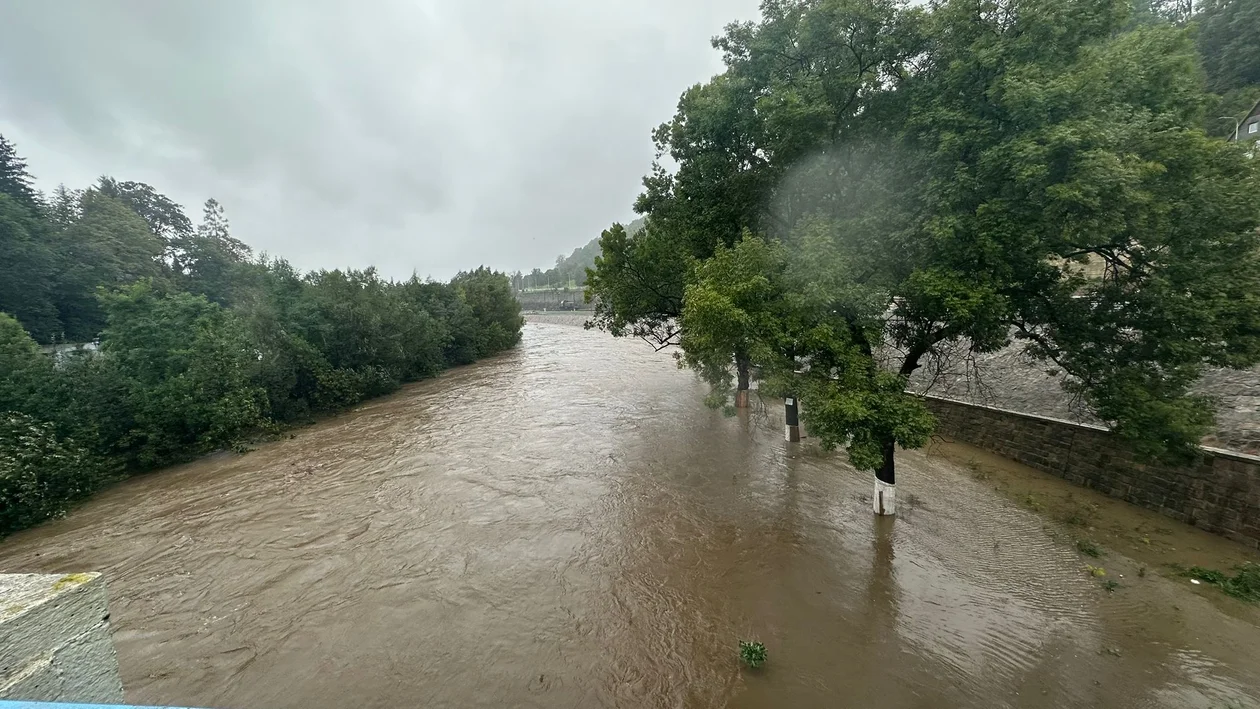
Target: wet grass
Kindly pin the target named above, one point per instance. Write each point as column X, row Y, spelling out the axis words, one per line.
column 1089, row 548
column 1244, row 584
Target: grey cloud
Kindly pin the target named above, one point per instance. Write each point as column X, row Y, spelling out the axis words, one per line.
column 424, row 135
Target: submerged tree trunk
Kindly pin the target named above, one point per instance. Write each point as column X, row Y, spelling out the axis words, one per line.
column 885, row 498
column 741, row 390
column 792, row 420
column 885, row 501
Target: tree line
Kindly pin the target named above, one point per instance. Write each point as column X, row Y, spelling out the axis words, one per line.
column 569, row 271
column 871, row 187
column 202, row 344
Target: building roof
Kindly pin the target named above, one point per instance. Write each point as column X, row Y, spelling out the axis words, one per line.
column 1255, row 111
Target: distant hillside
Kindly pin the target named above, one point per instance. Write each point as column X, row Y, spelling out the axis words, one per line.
column 569, row 271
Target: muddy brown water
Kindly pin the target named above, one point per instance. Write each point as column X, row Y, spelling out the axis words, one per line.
column 567, row 526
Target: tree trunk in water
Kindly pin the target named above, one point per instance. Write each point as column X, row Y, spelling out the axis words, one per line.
column 792, row 420
column 886, row 481
column 741, row 391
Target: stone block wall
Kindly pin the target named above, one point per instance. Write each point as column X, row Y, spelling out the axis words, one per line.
column 1008, row 379
column 1221, row 493
column 55, row 643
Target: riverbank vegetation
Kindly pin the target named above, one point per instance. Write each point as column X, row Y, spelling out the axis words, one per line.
column 871, row 187
column 201, row 343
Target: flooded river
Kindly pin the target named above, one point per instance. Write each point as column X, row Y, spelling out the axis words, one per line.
column 567, row 526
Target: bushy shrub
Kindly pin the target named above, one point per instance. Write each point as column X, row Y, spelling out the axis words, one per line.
column 41, row 474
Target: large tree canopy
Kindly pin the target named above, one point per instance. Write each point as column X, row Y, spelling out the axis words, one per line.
column 871, row 185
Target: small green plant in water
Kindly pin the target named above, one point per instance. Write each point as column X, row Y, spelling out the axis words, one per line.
column 752, row 653
column 1244, row 584
column 1110, row 585
column 1088, row 548
column 1095, row 570
column 1076, row 518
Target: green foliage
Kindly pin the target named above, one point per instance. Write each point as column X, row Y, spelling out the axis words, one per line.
column 752, row 653
column 954, row 177
column 727, row 313
column 498, row 315
column 1089, row 548
column 15, row 182
column 108, row 246
column 25, row 370
column 1229, row 40
column 27, row 268
column 185, row 361
column 637, row 283
column 41, row 474
column 201, row 346
column 1244, row 584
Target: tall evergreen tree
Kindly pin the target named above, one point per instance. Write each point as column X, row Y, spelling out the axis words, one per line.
column 15, row 180
column 1229, row 40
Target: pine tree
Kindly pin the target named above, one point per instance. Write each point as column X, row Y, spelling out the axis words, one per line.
column 15, row 181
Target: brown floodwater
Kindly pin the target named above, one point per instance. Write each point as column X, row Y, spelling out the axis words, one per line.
column 566, row 525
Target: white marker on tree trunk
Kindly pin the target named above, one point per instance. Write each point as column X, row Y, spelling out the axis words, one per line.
column 885, row 498
column 792, row 425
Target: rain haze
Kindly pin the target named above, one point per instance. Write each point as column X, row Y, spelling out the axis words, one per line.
column 415, row 136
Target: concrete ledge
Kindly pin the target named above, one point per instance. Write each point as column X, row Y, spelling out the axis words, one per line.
column 55, row 643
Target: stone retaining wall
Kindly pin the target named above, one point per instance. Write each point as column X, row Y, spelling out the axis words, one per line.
column 1009, row 380
column 1221, row 493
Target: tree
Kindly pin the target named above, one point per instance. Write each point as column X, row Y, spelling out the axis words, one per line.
column 637, row 284
column 732, row 307
column 15, row 181
column 186, row 361
column 166, row 219
column 27, row 269
column 26, row 370
column 211, row 255
column 1229, row 40
column 107, row 247
column 941, row 177
column 41, row 474
column 65, row 207
column 489, row 295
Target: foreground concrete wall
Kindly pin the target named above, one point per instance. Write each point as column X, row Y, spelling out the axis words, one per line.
column 1221, row 493
column 55, row 643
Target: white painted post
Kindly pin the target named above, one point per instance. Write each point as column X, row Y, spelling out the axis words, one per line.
column 792, row 424
column 885, row 498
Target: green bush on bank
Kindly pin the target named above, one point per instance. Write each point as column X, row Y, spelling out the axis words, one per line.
column 201, row 342
column 179, row 375
column 41, row 474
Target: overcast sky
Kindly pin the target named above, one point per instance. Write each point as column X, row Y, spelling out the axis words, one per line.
column 425, row 135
